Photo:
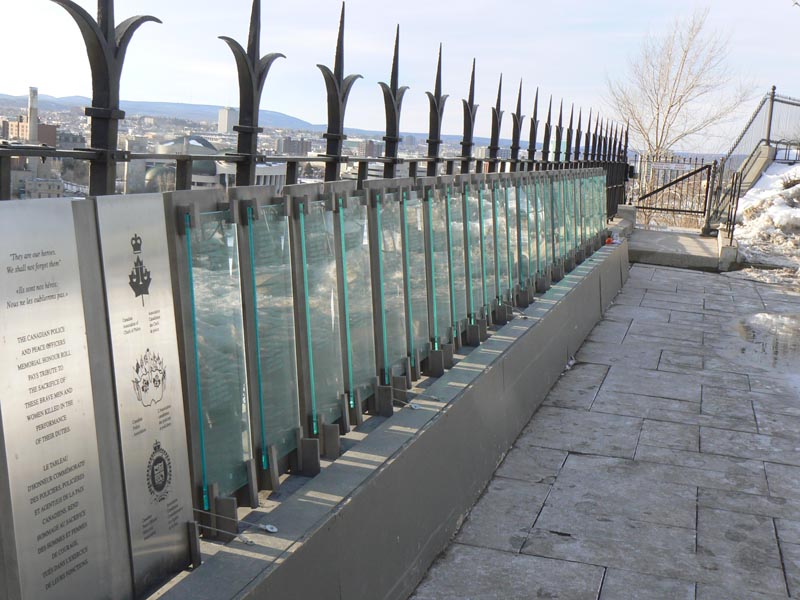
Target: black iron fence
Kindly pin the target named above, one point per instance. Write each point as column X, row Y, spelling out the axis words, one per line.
column 598, row 144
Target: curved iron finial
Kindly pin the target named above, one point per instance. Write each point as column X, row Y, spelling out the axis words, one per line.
column 559, row 131
column 516, row 132
column 578, row 136
column 252, row 69
column 568, row 152
column 533, row 130
column 437, row 102
column 106, row 46
column 393, row 103
column 547, row 130
column 338, row 87
column 470, row 110
column 497, row 122
column 587, row 141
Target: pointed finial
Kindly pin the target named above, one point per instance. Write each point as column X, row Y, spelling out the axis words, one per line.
column 519, row 98
column 560, row 114
column 472, row 84
column 437, row 88
column 499, row 92
column 536, row 105
column 396, row 61
column 338, row 64
column 571, row 113
column 254, row 39
column 589, row 122
column 549, row 109
column 580, row 114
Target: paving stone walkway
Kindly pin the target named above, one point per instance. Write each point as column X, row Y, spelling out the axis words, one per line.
column 664, row 464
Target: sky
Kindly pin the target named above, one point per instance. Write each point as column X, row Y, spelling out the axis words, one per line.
column 568, row 49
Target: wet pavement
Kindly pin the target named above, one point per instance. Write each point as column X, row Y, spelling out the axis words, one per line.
column 664, row 464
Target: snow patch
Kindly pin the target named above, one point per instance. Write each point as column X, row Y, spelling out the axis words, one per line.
column 768, row 219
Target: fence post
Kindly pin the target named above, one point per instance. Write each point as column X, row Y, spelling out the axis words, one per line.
column 712, row 176
column 770, row 106
column 393, row 104
column 106, row 46
column 470, row 108
column 252, row 69
column 338, row 87
column 497, row 121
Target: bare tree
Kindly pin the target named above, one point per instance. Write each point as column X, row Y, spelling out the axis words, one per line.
column 677, row 86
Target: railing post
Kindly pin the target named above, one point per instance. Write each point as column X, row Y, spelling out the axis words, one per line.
column 497, row 121
column 470, row 108
column 106, row 46
column 770, row 106
column 516, row 133
column 5, row 178
column 437, row 102
column 253, row 70
column 183, row 174
column 393, row 103
column 338, row 87
column 291, row 172
column 706, row 230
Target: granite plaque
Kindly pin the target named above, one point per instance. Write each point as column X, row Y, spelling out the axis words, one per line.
column 136, row 272
column 46, row 409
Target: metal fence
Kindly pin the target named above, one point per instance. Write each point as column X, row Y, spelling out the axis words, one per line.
column 598, row 144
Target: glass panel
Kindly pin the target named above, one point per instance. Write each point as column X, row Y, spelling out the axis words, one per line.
column 417, row 275
column 323, row 312
column 457, row 266
column 557, row 218
column 531, row 216
column 441, row 265
column 523, row 242
column 217, row 311
column 513, row 233
column 569, row 212
column 274, row 303
column 501, row 235
column 355, row 240
column 489, row 250
column 542, row 202
column 391, row 248
column 473, row 241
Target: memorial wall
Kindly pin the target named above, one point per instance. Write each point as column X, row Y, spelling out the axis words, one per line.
column 232, row 337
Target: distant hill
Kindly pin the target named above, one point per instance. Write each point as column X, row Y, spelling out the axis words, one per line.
column 175, row 110
column 210, row 113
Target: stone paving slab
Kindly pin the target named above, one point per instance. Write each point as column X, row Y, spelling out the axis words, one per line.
column 504, row 514
column 466, row 572
column 664, row 464
column 629, row 585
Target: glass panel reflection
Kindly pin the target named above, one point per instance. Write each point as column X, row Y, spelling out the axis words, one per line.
column 417, row 275
column 323, row 312
column 358, row 286
column 219, row 335
column 274, row 304
column 391, row 248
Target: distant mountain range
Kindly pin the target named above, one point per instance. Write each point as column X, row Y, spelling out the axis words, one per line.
column 210, row 113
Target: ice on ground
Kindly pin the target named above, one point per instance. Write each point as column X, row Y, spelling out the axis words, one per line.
column 768, row 219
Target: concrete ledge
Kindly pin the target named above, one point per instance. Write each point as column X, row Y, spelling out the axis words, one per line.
column 372, row 522
column 728, row 252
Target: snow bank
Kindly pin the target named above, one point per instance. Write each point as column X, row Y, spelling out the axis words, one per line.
column 768, row 220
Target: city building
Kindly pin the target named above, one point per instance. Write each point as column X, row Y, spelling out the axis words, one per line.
column 288, row 146
column 228, row 117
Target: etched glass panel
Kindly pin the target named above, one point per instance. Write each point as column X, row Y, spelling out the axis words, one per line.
column 457, row 266
column 513, row 233
column 323, row 312
column 219, row 333
column 503, row 275
column 274, row 303
column 391, row 246
column 473, row 240
column 489, row 246
column 417, row 274
column 358, row 286
column 523, row 239
column 442, row 310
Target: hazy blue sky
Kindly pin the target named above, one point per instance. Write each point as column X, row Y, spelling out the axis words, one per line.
column 568, row 49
